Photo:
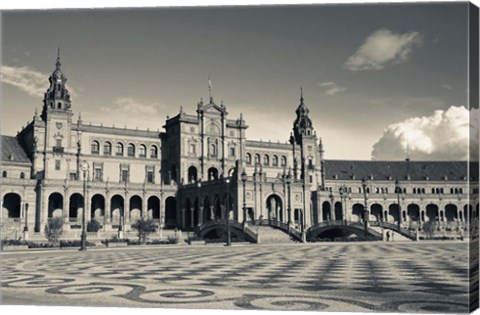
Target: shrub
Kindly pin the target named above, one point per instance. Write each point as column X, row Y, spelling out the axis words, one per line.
column 53, row 230
column 93, row 226
column 144, row 227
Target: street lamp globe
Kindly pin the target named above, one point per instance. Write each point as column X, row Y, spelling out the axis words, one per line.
column 84, row 165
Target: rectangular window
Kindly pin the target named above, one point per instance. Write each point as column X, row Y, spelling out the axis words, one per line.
column 59, row 143
column 73, row 176
column 97, row 174
column 311, row 179
column 232, row 152
column 192, row 149
column 57, row 165
column 150, row 177
column 124, row 176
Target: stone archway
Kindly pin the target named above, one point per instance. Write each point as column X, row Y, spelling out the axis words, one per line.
column 117, row 210
column 192, row 174
column 170, row 212
column 12, row 205
column 212, row 173
column 326, row 211
column 274, row 207
column 394, row 212
column 413, row 212
column 451, row 213
column 153, row 205
column 135, row 211
column 376, row 211
column 97, row 209
column 76, row 206
column 338, row 211
column 55, row 205
column 432, row 212
column 357, row 212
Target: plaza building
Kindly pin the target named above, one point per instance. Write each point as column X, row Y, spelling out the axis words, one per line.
column 187, row 176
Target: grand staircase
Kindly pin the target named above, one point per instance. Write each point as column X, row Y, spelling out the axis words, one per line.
column 397, row 237
column 269, row 235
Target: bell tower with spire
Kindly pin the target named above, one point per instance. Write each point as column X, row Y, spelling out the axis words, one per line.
column 56, row 98
column 305, row 148
column 57, row 115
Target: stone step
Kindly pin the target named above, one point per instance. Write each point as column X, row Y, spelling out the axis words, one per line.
column 270, row 235
column 397, row 237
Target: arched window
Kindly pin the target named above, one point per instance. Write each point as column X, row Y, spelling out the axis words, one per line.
column 213, row 150
column 22, row 175
column 266, row 160
column 142, row 151
column 95, row 147
column 153, row 152
column 248, row 158
column 257, row 158
column 131, row 149
column 284, row 160
column 119, row 149
column 107, row 148
column 275, row 160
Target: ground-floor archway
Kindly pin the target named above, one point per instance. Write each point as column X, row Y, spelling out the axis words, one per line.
column 55, row 205
column 170, row 212
column 97, row 207
column 12, row 205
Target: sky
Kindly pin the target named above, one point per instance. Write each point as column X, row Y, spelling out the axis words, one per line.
column 381, row 81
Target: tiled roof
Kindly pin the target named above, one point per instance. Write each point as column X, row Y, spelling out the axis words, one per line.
column 393, row 170
column 12, row 150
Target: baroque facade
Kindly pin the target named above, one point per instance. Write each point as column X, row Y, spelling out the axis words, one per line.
column 202, row 164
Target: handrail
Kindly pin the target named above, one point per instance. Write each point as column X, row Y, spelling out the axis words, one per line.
column 396, row 228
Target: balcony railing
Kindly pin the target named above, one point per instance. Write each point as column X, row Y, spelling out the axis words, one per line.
column 58, row 150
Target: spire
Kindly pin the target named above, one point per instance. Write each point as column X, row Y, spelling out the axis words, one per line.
column 56, row 98
column 301, row 94
column 210, row 89
column 58, row 64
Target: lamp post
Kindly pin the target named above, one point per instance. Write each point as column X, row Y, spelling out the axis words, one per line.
column 25, row 228
column 83, row 243
column 365, row 206
column 200, row 214
column 244, row 207
column 288, row 180
column 398, row 190
column 227, row 208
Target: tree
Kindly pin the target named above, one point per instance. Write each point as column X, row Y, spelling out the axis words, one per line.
column 429, row 228
column 93, row 226
column 144, row 227
column 53, row 230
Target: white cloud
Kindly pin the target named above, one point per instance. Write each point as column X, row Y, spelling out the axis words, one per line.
column 128, row 112
column 444, row 135
column 381, row 48
column 447, row 86
column 129, row 105
column 332, row 88
column 28, row 80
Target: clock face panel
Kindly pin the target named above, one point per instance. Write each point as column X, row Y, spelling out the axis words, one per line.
column 84, row 166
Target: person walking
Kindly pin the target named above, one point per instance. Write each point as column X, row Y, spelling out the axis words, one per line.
column 388, row 236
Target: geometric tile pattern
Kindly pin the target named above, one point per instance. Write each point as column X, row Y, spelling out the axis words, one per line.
column 384, row 277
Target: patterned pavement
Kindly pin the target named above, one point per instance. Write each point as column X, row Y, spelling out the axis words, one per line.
column 384, row 277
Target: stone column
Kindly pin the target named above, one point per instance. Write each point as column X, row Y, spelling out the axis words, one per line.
column 44, row 211
column 126, row 213
column 183, row 217
column 66, row 209
column 144, row 207
column 191, row 217
column 107, row 209
column 86, row 204
column 200, row 215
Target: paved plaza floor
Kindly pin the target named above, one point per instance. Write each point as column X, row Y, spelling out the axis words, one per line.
column 384, row 277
